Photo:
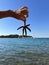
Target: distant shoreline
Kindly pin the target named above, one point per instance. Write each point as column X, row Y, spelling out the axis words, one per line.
column 14, row 36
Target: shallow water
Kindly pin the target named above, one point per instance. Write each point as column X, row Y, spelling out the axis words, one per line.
column 24, row 51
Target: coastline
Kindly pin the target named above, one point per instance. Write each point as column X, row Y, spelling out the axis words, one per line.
column 15, row 36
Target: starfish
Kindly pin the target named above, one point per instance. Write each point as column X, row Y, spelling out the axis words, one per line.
column 24, row 29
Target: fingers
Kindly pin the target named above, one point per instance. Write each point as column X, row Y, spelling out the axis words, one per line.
column 23, row 19
column 21, row 14
column 25, row 7
column 25, row 13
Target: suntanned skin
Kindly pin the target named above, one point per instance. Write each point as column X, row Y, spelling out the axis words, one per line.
column 20, row 14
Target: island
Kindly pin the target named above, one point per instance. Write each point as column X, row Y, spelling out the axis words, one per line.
column 14, row 36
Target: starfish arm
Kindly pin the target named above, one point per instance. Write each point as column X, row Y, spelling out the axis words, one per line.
column 29, row 29
column 28, row 25
column 25, row 32
column 20, row 27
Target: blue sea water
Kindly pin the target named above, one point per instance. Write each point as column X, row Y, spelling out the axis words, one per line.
column 24, row 51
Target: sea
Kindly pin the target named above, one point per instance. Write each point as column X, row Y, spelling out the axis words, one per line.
column 24, row 51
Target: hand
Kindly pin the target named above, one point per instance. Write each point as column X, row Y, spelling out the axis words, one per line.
column 21, row 14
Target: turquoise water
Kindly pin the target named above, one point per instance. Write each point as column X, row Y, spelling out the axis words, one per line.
column 24, row 51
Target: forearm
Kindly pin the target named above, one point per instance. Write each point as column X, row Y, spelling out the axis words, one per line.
column 11, row 13
column 7, row 13
column 4, row 14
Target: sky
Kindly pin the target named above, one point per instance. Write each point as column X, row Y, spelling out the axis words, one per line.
column 38, row 17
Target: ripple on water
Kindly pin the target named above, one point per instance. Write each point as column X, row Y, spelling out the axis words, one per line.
column 24, row 51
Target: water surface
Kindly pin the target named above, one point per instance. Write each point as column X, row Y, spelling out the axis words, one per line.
column 24, row 51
